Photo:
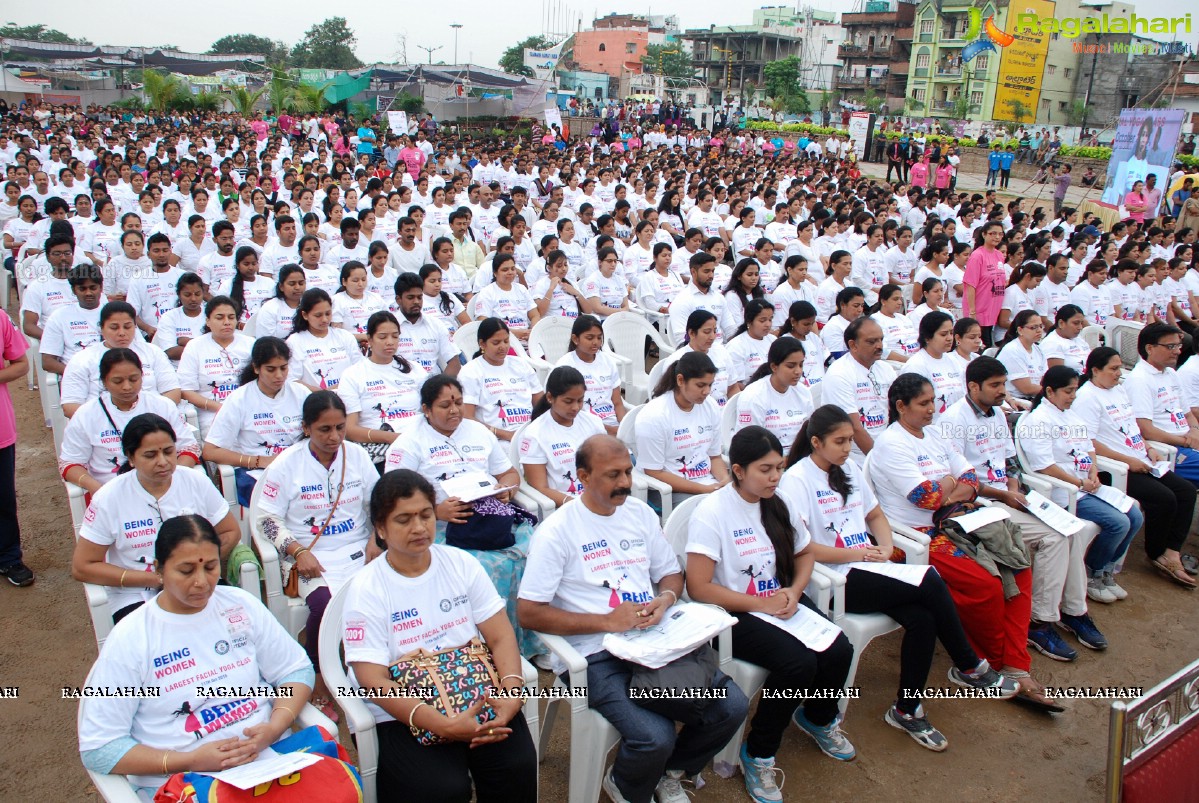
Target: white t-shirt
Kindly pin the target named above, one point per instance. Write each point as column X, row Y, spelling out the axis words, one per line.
column 610, row 290
column 984, row 441
column 275, row 319
column 1157, row 395
column 729, row 531
column 213, row 268
column 901, row 463
column 901, row 264
column 1050, row 436
column 682, row 443
column 235, row 642
column 1072, row 351
column 212, row 371
column 511, row 306
column 91, row 441
column 252, row 423
column 1110, row 420
column 899, row 335
column 545, row 442
column 154, row 294
column 276, row 255
column 655, row 291
column 829, row 518
column 69, row 330
column 826, row 298
column 190, row 255
column 602, row 377
column 584, row 563
column 175, row 324
column 320, row 361
column 1096, row 302
column 255, row 293
column 785, row 295
column 502, row 394
column 1048, row 298
column 747, row 354
column 388, row 615
column 869, row 272
column 124, row 517
column 438, row 457
column 781, row 413
column 426, row 343
column 382, row 394
column 688, row 301
column 724, row 369
column 81, row 380
column 352, row 314
column 1022, row 364
column 946, row 374
column 861, row 392
column 45, row 295
column 562, row 304
column 1188, row 378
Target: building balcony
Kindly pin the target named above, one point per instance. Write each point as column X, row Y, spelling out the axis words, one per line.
column 859, row 82
column 952, row 73
column 851, row 52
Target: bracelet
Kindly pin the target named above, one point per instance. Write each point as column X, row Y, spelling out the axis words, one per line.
column 370, row 436
column 165, row 754
column 241, row 461
column 288, row 710
column 521, row 678
column 122, row 582
column 258, row 461
column 295, row 555
column 671, row 593
column 412, row 714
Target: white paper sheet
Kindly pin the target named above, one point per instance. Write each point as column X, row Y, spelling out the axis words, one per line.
column 813, row 630
column 1056, row 517
column 1160, row 468
column 684, row 627
column 267, row 767
column 978, row 518
column 472, row 485
column 912, row 574
column 1114, row 497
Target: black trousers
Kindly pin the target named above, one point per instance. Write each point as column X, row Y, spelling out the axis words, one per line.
column 792, row 666
column 504, row 772
column 10, row 528
column 1168, row 504
column 926, row 612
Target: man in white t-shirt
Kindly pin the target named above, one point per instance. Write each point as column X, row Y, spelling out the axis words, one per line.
column 423, row 340
column 406, row 255
column 858, row 383
column 697, row 294
column 592, row 570
column 1158, row 401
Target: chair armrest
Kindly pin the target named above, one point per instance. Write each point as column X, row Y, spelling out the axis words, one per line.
column 664, row 491
column 271, row 573
column 114, row 788
column 1052, row 483
column 1171, row 452
column 1118, row 470
column 533, row 500
column 913, row 547
column 830, row 593
column 576, row 666
column 311, row 715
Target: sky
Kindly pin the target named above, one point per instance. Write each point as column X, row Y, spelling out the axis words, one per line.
column 482, row 39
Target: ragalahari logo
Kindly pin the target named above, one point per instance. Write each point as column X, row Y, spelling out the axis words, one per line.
column 985, row 36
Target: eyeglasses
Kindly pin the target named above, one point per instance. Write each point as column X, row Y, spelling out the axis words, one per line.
column 1170, row 346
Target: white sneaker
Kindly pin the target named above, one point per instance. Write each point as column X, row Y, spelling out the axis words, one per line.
column 612, row 790
column 670, row 788
column 1109, row 582
column 1099, row 592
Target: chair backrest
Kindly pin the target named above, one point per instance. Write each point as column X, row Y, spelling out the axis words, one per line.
column 626, row 432
column 1093, row 336
column 75, row 502
column 329, row 641
column 472, row 306
column 625, row 333
column 728, row 423
column 817, row 391
column 991, row 352
column 655, row 373
column 1123, row 337
column 466, row 339
column 677, row 525
column 550, row 338
column 251, row 327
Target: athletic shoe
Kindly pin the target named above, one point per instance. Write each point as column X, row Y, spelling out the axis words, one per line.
column 670, row 788
column 18, row 574
column 1098, row 591
column 1109, row 582
column 1046, row 640
column 918, row 727
column 759, row 778
column 829, row 738
column 1084, row 630
column 984, row 677
column 612, row 790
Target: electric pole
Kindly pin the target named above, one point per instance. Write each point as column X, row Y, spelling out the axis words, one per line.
column 430, row 51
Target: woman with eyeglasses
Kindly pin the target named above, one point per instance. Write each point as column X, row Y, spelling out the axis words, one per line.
column 1023, row 357
column 212, row 362
column 606, row 289
column 116, row 542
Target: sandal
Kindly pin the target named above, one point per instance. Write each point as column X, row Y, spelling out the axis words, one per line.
column 1190, row 565
column 325, row 706
column 1172, row 570
column 1032, row 695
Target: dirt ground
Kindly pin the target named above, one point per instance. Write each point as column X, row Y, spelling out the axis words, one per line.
column 997, row 749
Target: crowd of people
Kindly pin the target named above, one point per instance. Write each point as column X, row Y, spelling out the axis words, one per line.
column 898, row 355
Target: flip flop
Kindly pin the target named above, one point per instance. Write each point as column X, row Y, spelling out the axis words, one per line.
column 1173, row 570
column 1190, row 564
column 1030, row 699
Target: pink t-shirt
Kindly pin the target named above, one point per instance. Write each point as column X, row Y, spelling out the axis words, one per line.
column 14, row 348
column 984, row 272
column 413, row 159
column 260, row 129
column 919, row 173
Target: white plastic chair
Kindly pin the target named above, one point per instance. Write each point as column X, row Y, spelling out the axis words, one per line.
column 118, row 789
column 1093, row 336
column 58, row 420
column 642, row 483
column 1122, row 336
column 527, row 496
column 549, row 338
column 33, row 354
column 1117, row 470
column 816, row 391
column 466, row 339
column 97, row 597
column 625, row 334
column 251, row 327
column 658, row 320
column 291, row 612
column 472, row 307
column 359, row 719
column 728, row 425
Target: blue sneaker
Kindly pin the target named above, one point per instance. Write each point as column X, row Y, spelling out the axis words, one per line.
column 829, row 738
column 1083, row 628
column 759, row 778
column 1046, row 640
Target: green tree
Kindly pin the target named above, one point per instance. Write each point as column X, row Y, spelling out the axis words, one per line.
column 40, row 33
column 244, row 100
column 164, row 91
column 872, row 102
column 309, row 98
column 671, row 61
column 328, row 45
column 271, row 50
column 208, row 101
column 280, row 90
column 1020, row 110
column 408, row 103
column 781, row 77
column 961, row 107
column 1076, row 112
column 513, row 60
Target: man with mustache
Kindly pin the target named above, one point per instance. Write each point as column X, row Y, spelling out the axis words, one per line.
column 858, row 382
column 592, row 570
column 697, row 294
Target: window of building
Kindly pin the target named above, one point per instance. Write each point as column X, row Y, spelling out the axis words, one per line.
column 926, row 26
column 602, row 47
column 981, row 62
column 1051, row 69
column 922, row 60
column 1061, row 105
column 630, row 47
column 918, row 94
column 976, row 97
column 1066, row 71
column 1044, row 103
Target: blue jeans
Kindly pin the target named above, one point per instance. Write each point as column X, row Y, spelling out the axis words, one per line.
column 649, row 743
column 1116, row 530
column 1187, row 465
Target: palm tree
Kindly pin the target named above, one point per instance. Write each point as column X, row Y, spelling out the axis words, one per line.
column 244, row 100
column 207, row 101
column 309, row 98
column 280, row 90
column 1019, row 109
column 163, row 90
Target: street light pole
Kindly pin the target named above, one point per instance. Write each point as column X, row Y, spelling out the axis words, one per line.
column 429, row 51
column 455, row 26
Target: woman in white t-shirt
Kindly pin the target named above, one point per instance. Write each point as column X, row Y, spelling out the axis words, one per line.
column 194, row 629
column 743, row 286
column 116, row 541
column 313, row 509
column 749, row 343
column 561, row 422
column 678, row 432
column 277, row 315
column 1022, row 355
column 440, row 305
column 795, row 287
column 605, row 288
column 933, row 293
column 320, row 354
column 703, row 337
column 1092, row 295
column 507, row 299
column 212, row 363
column 1021, row 288
column 247, row 287
column 554, row 294
column 182, row 323
column 586, row 354
column 1063, row 345
column 1168, row 501
column 317, row 275
column 101, row 239
column 91, row 452
column 382, row 392
column 801, row 325
column 353, row 304
column 499, row 390
column 851, row 536
column 260, row 419
column 775, row 396
column 935, row 256
column 657, row 287
column 899, row 335
column 453, row 278
column 749, row 553
column 934, row 363
column 414, row 580
column 850, row 305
